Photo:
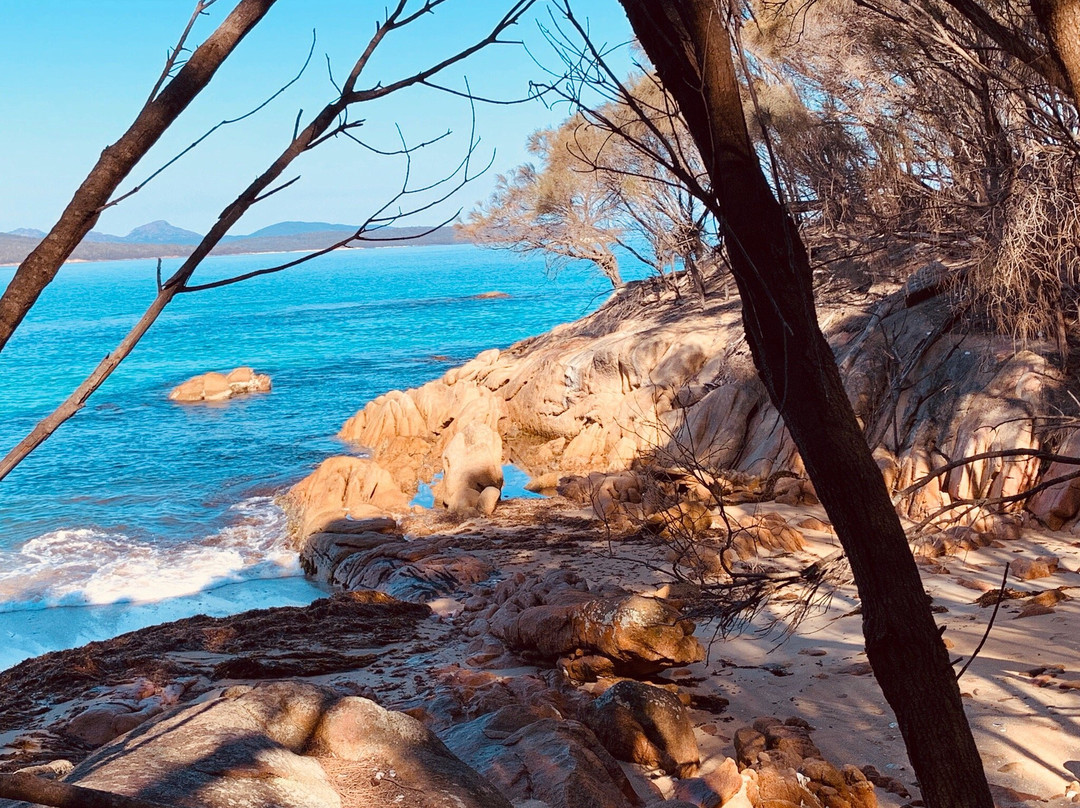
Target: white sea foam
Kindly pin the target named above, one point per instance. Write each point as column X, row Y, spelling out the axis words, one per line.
column 86, row 566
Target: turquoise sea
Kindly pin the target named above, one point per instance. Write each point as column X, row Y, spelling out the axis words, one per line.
column 139, row 510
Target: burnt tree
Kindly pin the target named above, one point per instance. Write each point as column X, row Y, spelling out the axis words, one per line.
column 688, row 42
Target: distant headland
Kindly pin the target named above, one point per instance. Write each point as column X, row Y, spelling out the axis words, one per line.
column 162, row 240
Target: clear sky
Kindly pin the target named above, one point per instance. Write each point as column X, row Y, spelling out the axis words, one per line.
column 73, row 74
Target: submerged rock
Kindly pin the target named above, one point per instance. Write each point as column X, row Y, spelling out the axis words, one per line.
column 214, row 387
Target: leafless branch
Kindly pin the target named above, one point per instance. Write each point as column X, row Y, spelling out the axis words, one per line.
column 198, row 141
column 939, row 470
column 174, row 54
column 327, row 119
column 40, row 267
column 990, row 625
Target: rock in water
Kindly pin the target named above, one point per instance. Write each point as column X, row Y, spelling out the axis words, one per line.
column 213, row 387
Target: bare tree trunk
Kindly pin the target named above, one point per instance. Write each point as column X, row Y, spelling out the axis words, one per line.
column 1013, row 42
column 609, row 266
column 117, row 161
column 693, row 269
column 1060, row 23
column 688, row 43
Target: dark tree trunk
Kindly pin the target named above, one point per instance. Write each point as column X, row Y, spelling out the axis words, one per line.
column 117, row 161
column 688, row 43
column 1060, row 24
column 1014, row 42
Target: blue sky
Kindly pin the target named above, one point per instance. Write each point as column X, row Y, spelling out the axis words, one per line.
column 73, row 74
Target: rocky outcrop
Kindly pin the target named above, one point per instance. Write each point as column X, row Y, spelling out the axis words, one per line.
column 544, row 620
column 786, row 767
column 286, row 744
column 340, row 488
column 643, row 724
column 216, row 387
column 647, row 380
column 407, row 433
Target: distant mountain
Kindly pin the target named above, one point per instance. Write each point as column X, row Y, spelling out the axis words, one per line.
column 299, row 228
column 26, row 232
column 162, row 240
column 161, row 232
column 103, row 238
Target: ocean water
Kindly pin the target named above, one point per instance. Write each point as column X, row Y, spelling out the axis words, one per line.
column 140, row 510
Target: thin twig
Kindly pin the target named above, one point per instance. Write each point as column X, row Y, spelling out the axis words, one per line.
column 990, row 625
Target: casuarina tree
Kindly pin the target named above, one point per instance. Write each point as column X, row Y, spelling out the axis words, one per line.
column 688, row 43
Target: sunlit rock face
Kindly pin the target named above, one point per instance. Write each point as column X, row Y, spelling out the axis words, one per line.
column 651, row 380
column 217, row 387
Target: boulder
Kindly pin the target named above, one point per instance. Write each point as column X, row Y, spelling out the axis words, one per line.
column 488, row 500
column 472, row 462
column 413, row 571
column 213, row 387
column 713, row 788
column 1027, row 569
column 342, row 487
column 285, row 744
column 411, row 759
column 643, row 724
column 531, row 755
column 640, row 635
column 748, row 743
column 322, row 553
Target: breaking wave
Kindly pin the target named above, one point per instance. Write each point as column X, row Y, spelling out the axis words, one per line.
column 87, row 566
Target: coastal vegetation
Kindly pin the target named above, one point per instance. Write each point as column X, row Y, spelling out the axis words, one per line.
column 891, row 189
